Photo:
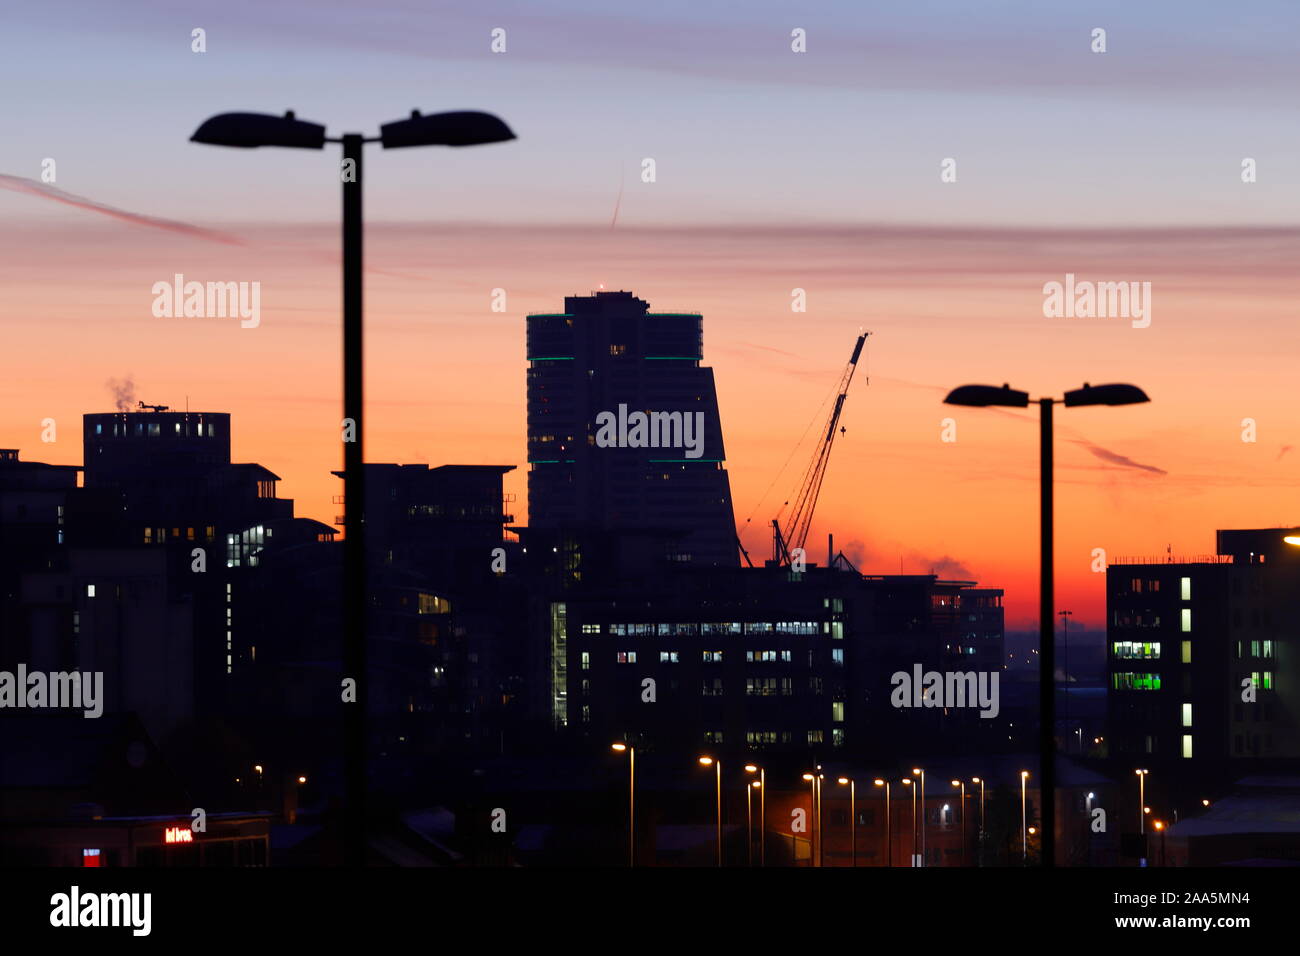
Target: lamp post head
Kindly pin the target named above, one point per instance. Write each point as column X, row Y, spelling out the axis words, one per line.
column 706, row 761
column 807, row 776
column 1105, row 395
column 980, row 396
column 751, row 768
column 463, row 128
column 619, row 747
column 878, row 782
column 844, row 780
column 250, row 130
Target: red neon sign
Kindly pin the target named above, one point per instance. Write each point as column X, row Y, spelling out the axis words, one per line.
column 178, row 835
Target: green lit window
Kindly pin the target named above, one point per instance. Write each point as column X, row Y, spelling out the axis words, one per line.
column 1128, row 680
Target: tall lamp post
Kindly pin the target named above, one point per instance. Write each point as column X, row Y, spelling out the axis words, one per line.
column 252, row 130
column 813, row 835
column 889, row 827
column 982, row 396
column 1142, row 800
column 1143, row 810
column 717, row 764
column 907, row 782
column 631, row 800
column 762, row 811
column 1024, row 839
column 853, row 818
column 962, row 785
column 918, row 772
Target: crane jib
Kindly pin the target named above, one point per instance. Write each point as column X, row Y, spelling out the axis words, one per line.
column 857, row 349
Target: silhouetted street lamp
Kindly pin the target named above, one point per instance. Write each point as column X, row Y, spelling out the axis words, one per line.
column 249, row 131
column 983, row 396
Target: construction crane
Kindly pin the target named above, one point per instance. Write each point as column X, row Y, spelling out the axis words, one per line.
column 805, row 503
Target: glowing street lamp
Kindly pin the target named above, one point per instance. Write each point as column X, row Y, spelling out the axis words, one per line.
column 980, row 781
column 1142, row 799
column 917, row 771
column 907, row 782
column 983, row 396
column 717, row 765
column 962, row 785
column 762, row 811
column 889, row 826
column 1024, row 838
column 853, row 816
column 631, row 798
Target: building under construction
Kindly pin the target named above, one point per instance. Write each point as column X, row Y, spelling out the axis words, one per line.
column 646, row 627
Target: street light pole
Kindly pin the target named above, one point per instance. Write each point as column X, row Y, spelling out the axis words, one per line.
column 1024, row 837
column 917, row 771
column 908, row 782
column 631, row 800
column 354, row 499
column 987, row 395
column 253, row 130
column 1046, row 640
column 889, row 827
column 853, row 819
column 761, row 784
column 962, row 785
column 750, row 786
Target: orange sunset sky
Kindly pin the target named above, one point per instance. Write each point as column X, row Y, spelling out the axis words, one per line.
column 946, row 306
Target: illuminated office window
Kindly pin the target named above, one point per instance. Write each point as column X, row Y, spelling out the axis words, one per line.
column 1186, row 586
column 1187, row 715
column 1187, row 619
column 1187, row 745
column 1187, row 652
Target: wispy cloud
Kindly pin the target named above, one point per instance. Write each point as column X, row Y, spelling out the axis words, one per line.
column 33, row 187
column 1115, row 458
